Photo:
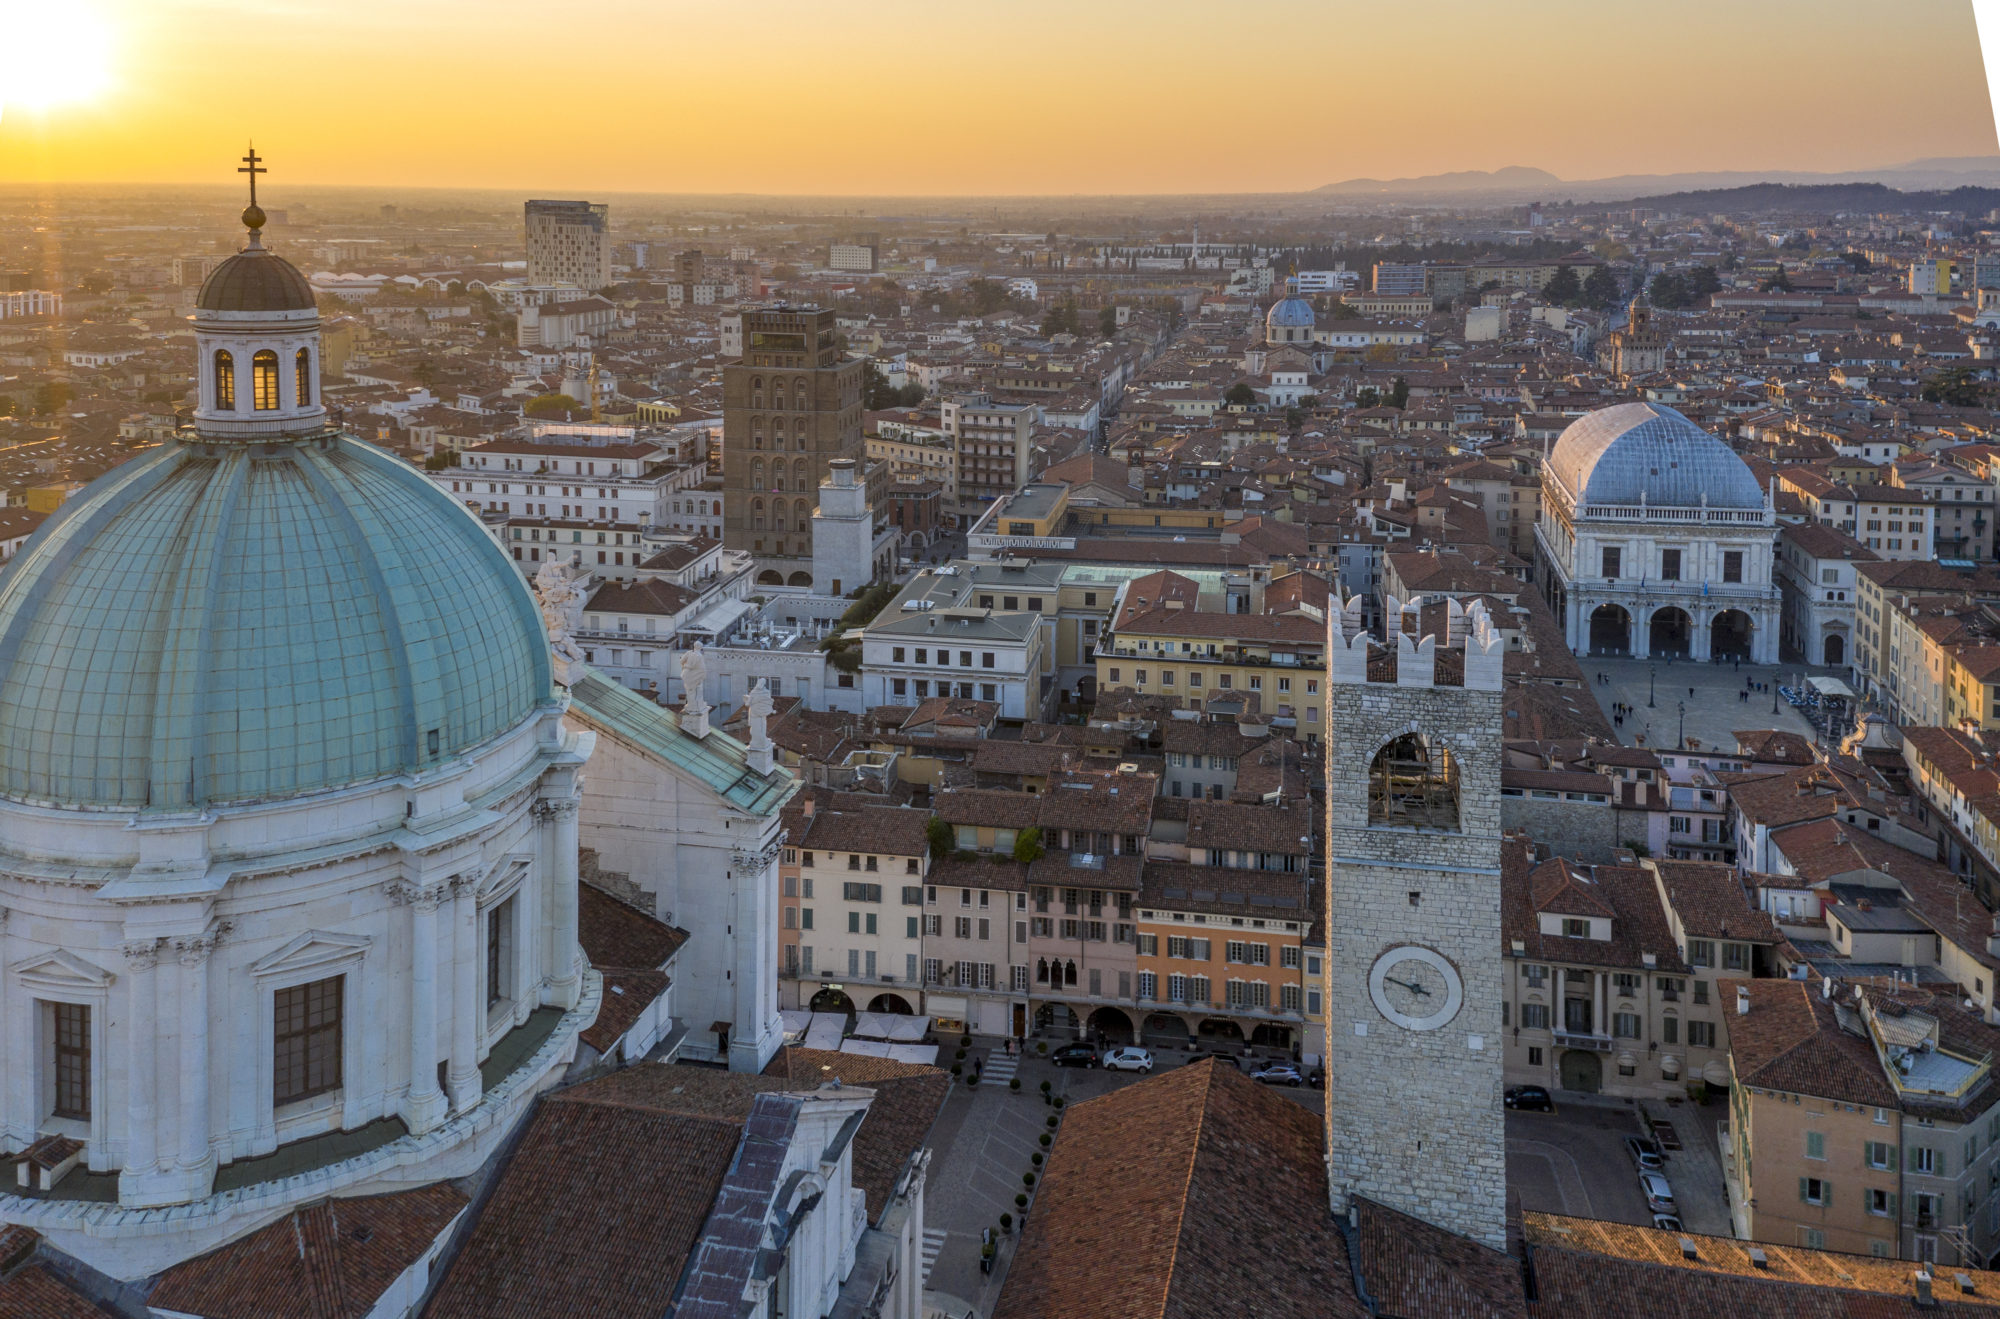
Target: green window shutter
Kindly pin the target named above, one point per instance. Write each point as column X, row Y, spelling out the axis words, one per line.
column 1815, row 1145
column 909, row 927
column 1802, row 1190
column 1825, row 1192
column 1892, row 1204
column 1910, row 1156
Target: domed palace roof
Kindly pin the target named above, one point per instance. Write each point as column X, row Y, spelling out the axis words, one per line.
column 1616, row 454
column 255, row 279
column 215, row 622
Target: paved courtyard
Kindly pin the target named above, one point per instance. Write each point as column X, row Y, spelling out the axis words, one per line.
column 1573, row 1161
column 1710, row 698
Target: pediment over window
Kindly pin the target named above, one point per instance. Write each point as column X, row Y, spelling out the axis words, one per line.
column 61, row 970
column 312, row 951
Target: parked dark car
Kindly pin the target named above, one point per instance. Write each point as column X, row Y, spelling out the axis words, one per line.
column 1531, row 1099
column 1074, row 1055
column 1316, row 1078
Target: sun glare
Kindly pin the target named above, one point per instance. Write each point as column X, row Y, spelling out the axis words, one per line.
column 57, row 54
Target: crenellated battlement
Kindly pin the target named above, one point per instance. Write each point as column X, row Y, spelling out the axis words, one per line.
column 1470, row 653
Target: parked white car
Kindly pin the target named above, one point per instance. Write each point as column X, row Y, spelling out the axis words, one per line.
column 1128, row 1060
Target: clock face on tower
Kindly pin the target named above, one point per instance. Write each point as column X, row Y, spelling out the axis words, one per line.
column 1415, row 987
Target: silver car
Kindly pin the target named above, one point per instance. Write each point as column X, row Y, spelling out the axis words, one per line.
column 1128, row 1059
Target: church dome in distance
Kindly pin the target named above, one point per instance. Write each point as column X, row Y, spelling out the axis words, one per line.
column 1635, row 452
column 1290, row 311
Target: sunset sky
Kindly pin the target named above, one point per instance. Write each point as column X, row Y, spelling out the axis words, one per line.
column 874, row 97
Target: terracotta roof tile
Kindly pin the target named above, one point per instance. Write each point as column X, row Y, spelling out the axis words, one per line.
column 37, row 1293
column 1190, row 1195
column 331, row 1260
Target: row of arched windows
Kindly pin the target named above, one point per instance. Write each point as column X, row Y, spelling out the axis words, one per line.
column 777, row 474
column 263, row 380
column 801, row 512
column 803, row 396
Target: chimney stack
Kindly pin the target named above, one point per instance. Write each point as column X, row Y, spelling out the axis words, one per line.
column 1742, row 1000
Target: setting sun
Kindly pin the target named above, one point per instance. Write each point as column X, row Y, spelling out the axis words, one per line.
column 59, row 55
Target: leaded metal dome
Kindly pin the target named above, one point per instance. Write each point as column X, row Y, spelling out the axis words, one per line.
column 1291, row 311
column 255, row 279
column 1648, row 452
column 215, row 623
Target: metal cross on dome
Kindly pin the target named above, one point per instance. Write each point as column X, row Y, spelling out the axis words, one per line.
column 253, row 169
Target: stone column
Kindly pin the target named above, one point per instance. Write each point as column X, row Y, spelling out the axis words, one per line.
column 1602, row 1024
column 466, row 1002
column 425, row 1106
column 195, row 1155
column 564, row 971
column 141, row 1025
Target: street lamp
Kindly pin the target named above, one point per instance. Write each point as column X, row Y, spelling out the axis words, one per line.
column 1774, row 691
column 1684, row 725
column 1651, row 669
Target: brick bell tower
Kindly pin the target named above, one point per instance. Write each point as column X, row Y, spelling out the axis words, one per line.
column 1413, row 966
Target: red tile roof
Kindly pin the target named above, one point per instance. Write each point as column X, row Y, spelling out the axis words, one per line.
column 331, row 1260
column 1193, row 1194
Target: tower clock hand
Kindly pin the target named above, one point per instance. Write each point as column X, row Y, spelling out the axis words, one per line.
column 1410, row 985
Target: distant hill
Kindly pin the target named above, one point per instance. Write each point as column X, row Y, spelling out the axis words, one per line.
column 1520, row 183
column 1510, row 177
column 1820, row 197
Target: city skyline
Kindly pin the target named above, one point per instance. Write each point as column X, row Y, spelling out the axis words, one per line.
column 958, row 104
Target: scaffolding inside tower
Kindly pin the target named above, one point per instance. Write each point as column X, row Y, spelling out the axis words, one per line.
column 1413, row 784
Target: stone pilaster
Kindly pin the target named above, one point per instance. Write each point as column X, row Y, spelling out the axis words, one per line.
column 424, row 1107
column 462, row 1079
column 142, row 1153
column 197, row 1159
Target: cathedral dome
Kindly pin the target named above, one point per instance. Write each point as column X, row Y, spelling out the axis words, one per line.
column 1621, row 454
column 218, row 622
column 255, row 279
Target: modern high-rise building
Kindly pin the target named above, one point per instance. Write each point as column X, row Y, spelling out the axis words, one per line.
column 568, row 242
column 790, row 406
column 1399, row 279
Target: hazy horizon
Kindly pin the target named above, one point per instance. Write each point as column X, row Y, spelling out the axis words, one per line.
column 1032, row 100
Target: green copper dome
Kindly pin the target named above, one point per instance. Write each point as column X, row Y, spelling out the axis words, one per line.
column 216, row 623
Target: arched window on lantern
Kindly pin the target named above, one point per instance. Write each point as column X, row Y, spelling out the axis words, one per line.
column 1413, row 784
column 302, row 372
column 264, row 381
column 225, row 381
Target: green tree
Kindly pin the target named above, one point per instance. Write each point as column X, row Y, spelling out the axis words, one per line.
column 426, row 373
column 1060, row 319
column 1107, row 323
column 878, row 395
column 988, row 296
column 1028, row 845
column 552, row 406
column 51, row 396
column 1954, row 387
column 1857, row 262
column 1367, row 397
column 943, row 839
column 1778, row 283
column 1563, row 288
column 1601, row 289
column 1399, row 393
column 95, row 282
column 1240, row 395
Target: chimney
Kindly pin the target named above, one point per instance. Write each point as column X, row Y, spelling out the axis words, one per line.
column 808, row 803
column 1923, row 1289
column 1742, row 1001
column 1758, row 1259
column 1687, row 1249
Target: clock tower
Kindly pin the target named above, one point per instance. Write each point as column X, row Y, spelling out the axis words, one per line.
column 1413, row 965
